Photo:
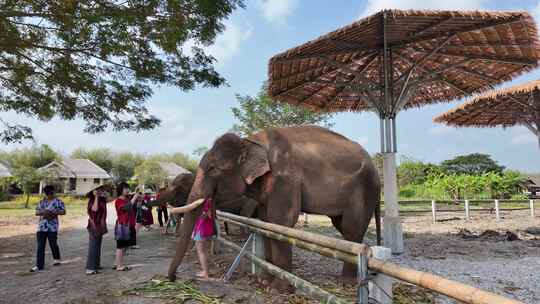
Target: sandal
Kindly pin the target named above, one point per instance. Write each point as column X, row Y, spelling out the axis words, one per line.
column 91, row 272
column 125, row 268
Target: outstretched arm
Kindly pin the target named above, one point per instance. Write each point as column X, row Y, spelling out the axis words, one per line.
column 187, row 208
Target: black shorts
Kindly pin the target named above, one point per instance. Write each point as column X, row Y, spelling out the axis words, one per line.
column 120, row 244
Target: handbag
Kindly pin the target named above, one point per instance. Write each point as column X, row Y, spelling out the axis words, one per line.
column 121, row 232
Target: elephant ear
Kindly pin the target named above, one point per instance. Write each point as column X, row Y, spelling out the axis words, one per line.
column 254, row 161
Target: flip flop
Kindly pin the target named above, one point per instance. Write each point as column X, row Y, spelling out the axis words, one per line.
column 125, row 268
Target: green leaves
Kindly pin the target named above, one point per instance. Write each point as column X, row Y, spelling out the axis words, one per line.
column 475, row 163
column 258, row 113
column 150, row 173
column 98, row 60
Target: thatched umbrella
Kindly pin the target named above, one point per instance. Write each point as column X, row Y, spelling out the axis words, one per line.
column 396, row 60
column 517, row 105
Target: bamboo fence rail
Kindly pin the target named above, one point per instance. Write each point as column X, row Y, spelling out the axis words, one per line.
column 342, row 250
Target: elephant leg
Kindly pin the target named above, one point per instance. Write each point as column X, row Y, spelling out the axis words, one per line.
column 354, row 224
column 336, row 221
column 287, row 195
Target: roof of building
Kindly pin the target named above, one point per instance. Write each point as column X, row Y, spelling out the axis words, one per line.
column 534, row 179
column 77, row 168
column 4, row 170
column 172, row 169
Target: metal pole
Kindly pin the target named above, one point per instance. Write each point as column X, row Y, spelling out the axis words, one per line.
column 234, row 265
column 383, row 138
column 363, row 287
column 394, row 135
column 258, row 251
column 388, row 135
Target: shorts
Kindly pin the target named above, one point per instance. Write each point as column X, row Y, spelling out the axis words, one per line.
column 197, row 237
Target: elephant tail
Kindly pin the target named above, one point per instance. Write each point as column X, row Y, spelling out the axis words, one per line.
column 378, row 222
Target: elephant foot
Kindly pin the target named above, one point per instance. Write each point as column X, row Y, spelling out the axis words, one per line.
column 172, row 277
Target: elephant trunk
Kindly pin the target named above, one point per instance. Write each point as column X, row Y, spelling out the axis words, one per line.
column 188, row 223
column 166, row 196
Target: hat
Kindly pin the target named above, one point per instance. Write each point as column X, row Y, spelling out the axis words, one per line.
column 101, row 185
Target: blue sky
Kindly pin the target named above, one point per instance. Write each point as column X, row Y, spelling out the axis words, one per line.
column 264, row 28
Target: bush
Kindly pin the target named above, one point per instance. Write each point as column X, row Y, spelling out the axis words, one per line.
column 407, row 192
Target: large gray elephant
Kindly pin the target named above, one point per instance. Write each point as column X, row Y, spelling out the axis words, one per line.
column 289, row 170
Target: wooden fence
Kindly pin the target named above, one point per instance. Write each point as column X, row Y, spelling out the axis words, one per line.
column 466, row 207
column 361, row 255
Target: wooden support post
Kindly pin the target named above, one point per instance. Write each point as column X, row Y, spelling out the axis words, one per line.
column 434, row 211
column 380, row 287
column 531, row 204
column 305, row 219
column 258, row 251
column 497, row 214
column 363, row 289
column 467, row 215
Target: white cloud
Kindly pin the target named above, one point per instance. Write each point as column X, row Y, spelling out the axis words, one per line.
column 522, row 136
column 276, row 11
column 228, row 43
column 441, row 130
column 374, row 6
column 536, row 12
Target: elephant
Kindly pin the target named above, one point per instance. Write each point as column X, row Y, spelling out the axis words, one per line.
column 177, row 192
column 287, row 171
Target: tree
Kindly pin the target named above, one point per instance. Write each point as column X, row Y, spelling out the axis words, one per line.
column 178, row 158
column 475, row 163
column 27, row 178
column 124, row 165
column 414, row 172
column 102, row 157
column 98, row 60
column 258, row 113
column 34, row 157
column 151, row 174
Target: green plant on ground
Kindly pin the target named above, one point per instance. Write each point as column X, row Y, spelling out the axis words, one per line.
column 176, row 292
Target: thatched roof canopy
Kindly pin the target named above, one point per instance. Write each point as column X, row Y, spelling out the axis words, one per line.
column 517, row 105
column 441, row 55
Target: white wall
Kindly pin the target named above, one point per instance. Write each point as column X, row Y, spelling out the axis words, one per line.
column 84, row 185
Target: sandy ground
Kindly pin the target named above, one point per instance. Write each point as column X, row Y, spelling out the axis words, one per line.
column 509, row 268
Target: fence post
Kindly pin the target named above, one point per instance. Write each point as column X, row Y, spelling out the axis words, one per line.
column 305, row 219
column 216, row 246
column 363, row 289
column 531, row 203
column 434, row 211
column 497, row 210
column 380, row 287
column 258, row 251
column 467, row 215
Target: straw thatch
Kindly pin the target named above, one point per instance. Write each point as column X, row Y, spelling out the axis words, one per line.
column 517, row 105
column 342, row 70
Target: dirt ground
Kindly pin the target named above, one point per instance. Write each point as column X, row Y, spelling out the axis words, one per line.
column 490, row 261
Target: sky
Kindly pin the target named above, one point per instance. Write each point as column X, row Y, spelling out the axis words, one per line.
column 267, row 27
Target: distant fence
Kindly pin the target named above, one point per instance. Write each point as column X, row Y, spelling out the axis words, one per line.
column 466, row 207
column 366, row 258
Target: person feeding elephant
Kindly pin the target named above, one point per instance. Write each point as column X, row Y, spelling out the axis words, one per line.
column 203, row 232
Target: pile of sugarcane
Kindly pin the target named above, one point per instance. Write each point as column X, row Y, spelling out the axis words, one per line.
column 178, row 292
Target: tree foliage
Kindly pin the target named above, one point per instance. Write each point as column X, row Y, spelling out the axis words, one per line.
column 260, row 112
column 151, row 174
column 27, row 178
column 98, row 60
column 33, row 157
column 414, row 172
column 475, row 163
column 178, row 158
column 124, row 165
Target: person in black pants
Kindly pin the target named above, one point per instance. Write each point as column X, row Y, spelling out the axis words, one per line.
column 48, row 210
